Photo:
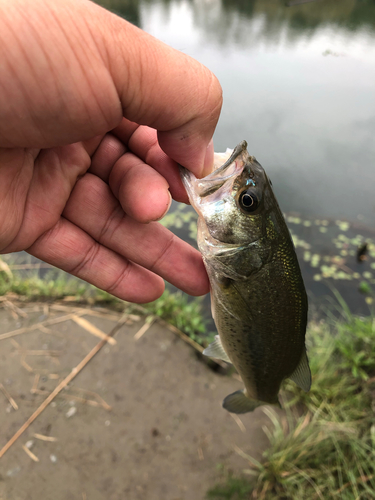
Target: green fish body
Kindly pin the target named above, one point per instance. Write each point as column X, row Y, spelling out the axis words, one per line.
column 259, row 302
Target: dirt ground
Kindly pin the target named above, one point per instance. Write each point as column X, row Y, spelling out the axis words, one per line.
column 141, row 421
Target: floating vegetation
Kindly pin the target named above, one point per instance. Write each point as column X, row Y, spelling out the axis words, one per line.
column 343, row 225
column 182, row 217
column 366, row 290
column 292, row 219
column 315, row 259
column 298, row 243
column 307, row 256
column 327, row 251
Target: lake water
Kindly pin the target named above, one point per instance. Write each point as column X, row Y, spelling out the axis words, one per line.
column 299, row 85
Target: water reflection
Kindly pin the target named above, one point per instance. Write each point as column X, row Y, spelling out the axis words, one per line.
column 273, row 22
column 128, row 9
column 348, row 14
column 279, row 19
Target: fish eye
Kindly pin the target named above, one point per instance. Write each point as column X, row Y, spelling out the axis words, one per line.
column 248, row 201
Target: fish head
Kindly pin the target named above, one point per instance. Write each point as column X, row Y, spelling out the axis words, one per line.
column 233, row 201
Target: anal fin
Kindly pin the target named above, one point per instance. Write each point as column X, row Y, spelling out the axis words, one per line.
column 216, row 350
column 302, row 375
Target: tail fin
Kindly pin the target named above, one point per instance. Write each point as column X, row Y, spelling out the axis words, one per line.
column 238, row 402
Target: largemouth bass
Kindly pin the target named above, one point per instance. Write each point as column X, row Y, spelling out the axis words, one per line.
column 258, row 298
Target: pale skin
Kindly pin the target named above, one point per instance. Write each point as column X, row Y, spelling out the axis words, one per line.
column 95, row 116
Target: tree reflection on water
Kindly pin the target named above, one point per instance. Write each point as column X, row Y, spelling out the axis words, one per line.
column 220, row 17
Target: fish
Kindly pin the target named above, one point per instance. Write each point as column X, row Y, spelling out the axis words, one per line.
column 258, row 298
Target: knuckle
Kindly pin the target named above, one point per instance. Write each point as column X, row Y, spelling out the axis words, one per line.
column 164, row 255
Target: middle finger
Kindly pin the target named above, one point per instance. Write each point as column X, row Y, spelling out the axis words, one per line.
column 94, row 208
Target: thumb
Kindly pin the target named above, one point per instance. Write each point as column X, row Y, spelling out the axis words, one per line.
column 167, row 90
column 80, row 69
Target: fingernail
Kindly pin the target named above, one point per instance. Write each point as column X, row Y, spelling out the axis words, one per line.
column 208, row 163
column 168, row 207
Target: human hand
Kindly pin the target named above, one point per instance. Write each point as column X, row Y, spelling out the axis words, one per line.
column 81, row 172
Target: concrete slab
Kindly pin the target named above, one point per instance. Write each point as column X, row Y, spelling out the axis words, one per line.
column 163, row 438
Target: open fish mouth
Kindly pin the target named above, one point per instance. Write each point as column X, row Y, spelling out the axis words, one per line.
column 227, row 166
column 222, row 171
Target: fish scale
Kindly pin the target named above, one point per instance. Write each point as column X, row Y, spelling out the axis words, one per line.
column 258, row 298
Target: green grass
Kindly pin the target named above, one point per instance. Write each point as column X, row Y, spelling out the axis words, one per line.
column 184, row 313
column 54, row 285
column 235, row 488
column 312, row 457
column 175, row 308
column 323, row 447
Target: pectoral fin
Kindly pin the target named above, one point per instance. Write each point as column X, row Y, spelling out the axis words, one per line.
column 216, row 350
column 302, row 375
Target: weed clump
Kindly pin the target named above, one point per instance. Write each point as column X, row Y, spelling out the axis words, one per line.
column 324, row 445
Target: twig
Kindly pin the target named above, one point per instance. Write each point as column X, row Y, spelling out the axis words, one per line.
column 89, row 402
column 26, row 365
column 98, row 313
column 14, row 309
column 96, row 395
column 238, row 421
column 60, row 387
column 143, row 329
column 93, row 329
column 35, row 383
column 41, row 352
column 30, row 453
column 47, row 322
column 45, row 438
column 182, row 335
column 44, row 329
column 9, row 397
